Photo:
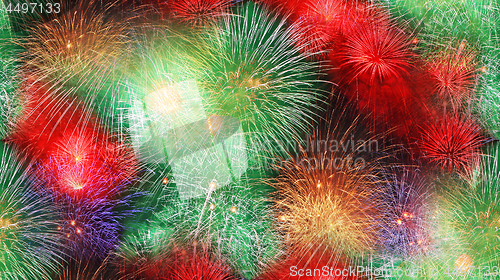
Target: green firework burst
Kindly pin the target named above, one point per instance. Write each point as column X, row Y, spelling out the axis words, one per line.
column 233, row 221
column 9, row 101
column 28, row 237
column 255, row 73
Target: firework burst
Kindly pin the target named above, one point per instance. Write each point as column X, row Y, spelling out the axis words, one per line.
column 82, row 49
column 87, row 47
column 232, row 221
column 90, row 228
column 407, row 233
column 470, row 216
column 73, row 155
column 28, row 238
column 453, row 74
column 97, row 170
column 452, row 144
column 257, row 75
column 327, row 197
column 200, row 12
column 377, row 49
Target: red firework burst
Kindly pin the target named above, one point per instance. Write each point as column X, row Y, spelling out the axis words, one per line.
column 452, row 144
column 319, row 24
column 182, row 264
column 327, row 267
column 74, row 155
column 313, row 35
column 83, row 167
column 199, row 12
column 394, row 107
column 287, row 8
column 453, row 73
column 198, row 266
column 45, row 119
column 376, row 49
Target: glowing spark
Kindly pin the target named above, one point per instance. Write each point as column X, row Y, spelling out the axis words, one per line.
column 463, row 262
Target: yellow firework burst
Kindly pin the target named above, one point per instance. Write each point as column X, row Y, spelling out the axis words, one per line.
column 327, row 196
column 81, row 47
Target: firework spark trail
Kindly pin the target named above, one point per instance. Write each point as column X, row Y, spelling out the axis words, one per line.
column 487, row 99
column 29, row 241
column 235, row 224
column 183, row 261
column 85, row 270
column 321, row 25
column 9, row 98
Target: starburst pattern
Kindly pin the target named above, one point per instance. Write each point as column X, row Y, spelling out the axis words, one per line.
column 27, row 224
column 377, row 50
column 200, row 12
column 453, row 73
column 452, row 144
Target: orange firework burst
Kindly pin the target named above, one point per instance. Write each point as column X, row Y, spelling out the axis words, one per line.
column 327, row 196
column 377, row 49
column 79, row 47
